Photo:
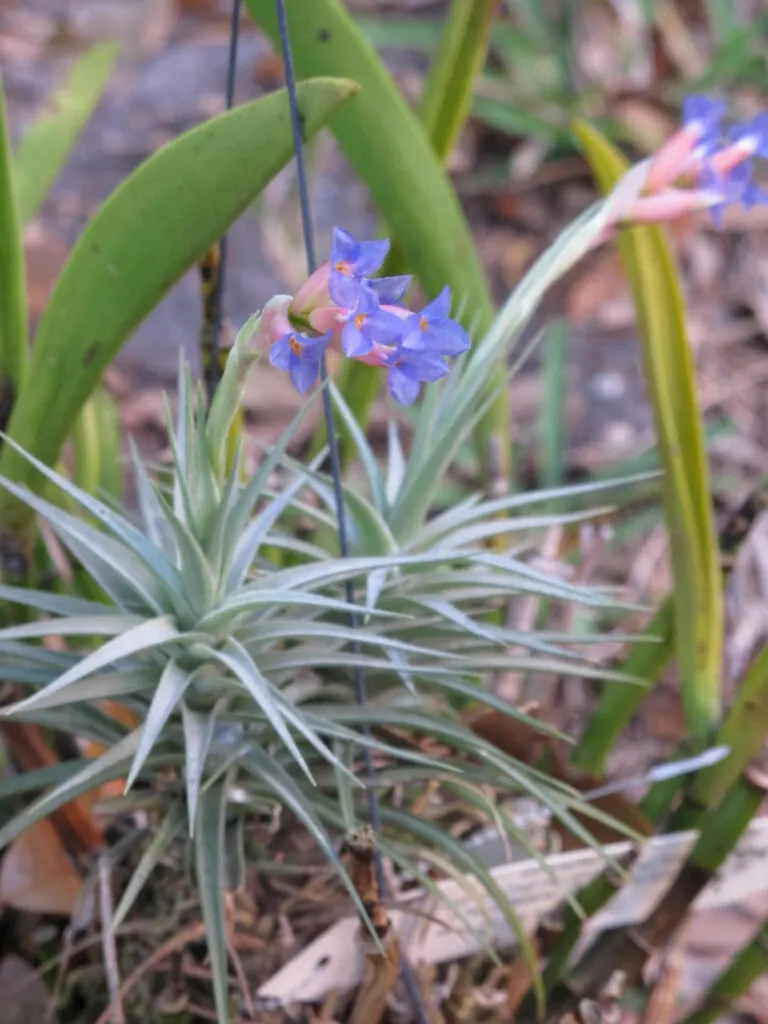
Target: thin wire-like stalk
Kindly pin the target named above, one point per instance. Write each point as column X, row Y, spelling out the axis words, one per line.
column 213, row 374
column 335, row 459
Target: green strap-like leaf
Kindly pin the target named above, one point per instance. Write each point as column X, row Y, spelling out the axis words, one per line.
column 45, row 145
column 153, row 228
column 669, row 368
column 13, row 279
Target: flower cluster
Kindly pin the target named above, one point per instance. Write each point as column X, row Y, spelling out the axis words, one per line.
column 704, row 165
column 341, row 306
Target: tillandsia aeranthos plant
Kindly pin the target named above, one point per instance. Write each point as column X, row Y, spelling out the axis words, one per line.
column 239, row 673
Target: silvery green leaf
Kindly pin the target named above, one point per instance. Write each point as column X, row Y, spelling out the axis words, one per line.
column 75, row 625
column 255, row 488
column 397, row 466
column 198, row 734
column 255, row 534
column 122, row 575
column 300, row 547
column 39, row 778
column 150, row 634
column 226, row 400
column 149, row 506
column 169, row 829
column 110, row 765
column 374, row 585
column 363, row 448
column 311, row 576
column 237, row 659
column 209, row 863
column 246, row 601
column 302, row 628
column 206, row 493
column 474, row 509
column 108, row 687
column 169, row 692
column 56, row 604
column 124, row 530
column 197, row 580
column 471, row 534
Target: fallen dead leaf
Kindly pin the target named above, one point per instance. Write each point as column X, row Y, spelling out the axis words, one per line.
column 37, row 875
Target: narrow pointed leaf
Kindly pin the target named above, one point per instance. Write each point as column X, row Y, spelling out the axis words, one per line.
column 209, row 863
column 170, row 690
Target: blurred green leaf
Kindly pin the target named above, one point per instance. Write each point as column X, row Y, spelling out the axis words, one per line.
column 162, row 218
column 45, row 145
column 450, row 84
column 669, row 369
column 13, row 280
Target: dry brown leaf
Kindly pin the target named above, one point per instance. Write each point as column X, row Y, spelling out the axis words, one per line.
column 37, row 875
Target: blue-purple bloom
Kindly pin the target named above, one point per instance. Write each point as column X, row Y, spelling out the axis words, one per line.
column 300, row 355
column 433, row 330
column 351, row 261
column 409, row 369
column 390, row 290
column 702, row 115
column 368, row 323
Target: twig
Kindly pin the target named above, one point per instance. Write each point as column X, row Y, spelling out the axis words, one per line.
column 108, row 945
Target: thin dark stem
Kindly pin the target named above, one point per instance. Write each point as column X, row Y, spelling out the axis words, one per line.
column 335, row 458
column 214, row 368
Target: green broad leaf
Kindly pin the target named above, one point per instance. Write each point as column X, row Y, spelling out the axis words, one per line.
column 460, row 57
column 170, row 690
column 670, row 373
column 389, row 149
column 209, row 864
column 163, row 217
column 172, row 825
column 45, row 145
column 111, row 765
column 198, row 735
column 147, row 636
column 13, row 278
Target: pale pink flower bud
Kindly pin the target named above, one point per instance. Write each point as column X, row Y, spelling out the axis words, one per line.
column 314, row 293
column 273, row 322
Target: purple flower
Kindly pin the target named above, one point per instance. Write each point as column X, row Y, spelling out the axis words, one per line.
column 409, row 369
column 351, row 261
column 369, row 324
column 702, row 115
column 752, row 134
column 300, row 355
column 433, row 330
column 390, row 290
